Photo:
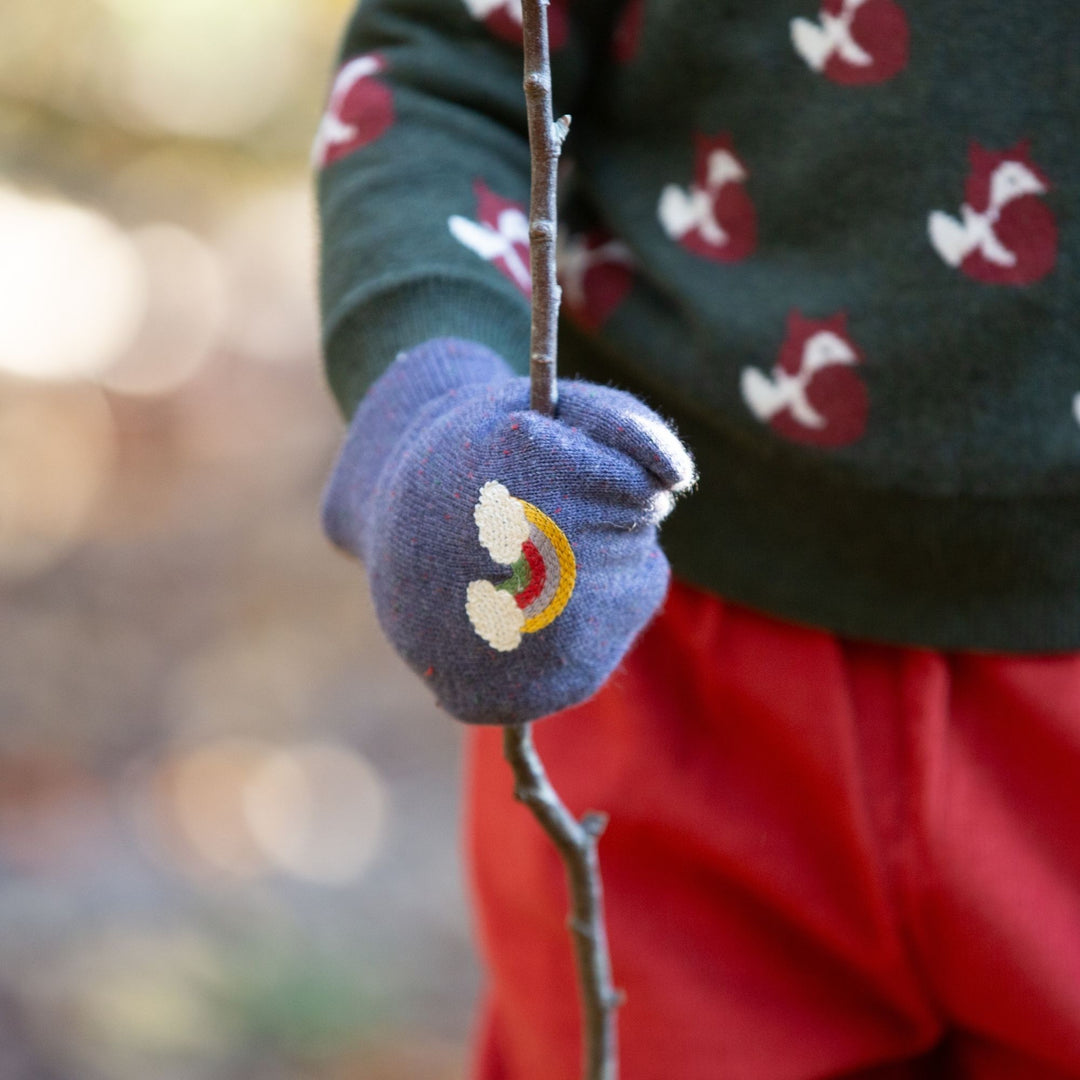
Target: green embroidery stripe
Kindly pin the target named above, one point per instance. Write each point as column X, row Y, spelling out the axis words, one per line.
column 520, row 576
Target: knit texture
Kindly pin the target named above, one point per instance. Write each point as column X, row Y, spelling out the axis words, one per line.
column 513, row 558
column 834, row 240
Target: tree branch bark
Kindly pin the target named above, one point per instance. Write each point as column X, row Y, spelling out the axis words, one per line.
column 575, row 840
column 545, row 144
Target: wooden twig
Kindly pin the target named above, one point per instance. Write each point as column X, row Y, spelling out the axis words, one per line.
column 575, row 840
column 545, row 144
column 576, row 843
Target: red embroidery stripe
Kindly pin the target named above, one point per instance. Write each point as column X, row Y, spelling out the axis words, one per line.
column 537, row 572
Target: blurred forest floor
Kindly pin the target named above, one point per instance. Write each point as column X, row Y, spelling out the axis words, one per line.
column 228, row 842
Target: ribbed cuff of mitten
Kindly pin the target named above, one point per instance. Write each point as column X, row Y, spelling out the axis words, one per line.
column 371, row 327
column 423, row 374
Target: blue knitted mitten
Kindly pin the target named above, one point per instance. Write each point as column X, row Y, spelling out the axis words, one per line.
column 512, row 558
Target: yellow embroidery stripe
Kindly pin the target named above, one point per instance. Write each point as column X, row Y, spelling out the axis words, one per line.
column 567, row 568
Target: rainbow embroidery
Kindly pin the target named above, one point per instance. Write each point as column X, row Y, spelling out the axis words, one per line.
column 542, row 569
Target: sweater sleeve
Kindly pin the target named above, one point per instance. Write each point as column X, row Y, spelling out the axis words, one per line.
column 423, row 178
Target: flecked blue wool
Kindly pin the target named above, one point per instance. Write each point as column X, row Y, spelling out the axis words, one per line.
column 444, row 419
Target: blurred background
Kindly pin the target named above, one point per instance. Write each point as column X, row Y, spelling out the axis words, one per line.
column 227, row 814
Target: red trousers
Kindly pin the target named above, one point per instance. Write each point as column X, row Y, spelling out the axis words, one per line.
column 825, row 859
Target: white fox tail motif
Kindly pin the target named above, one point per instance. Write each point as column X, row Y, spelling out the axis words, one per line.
column 817, row 43
column 333, row 130
column 955, row 240
column 498, row 242
column 768, row 395
column 681, row 211
column 481, row 9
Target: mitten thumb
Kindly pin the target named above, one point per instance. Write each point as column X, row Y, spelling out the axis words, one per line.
column 420, row 385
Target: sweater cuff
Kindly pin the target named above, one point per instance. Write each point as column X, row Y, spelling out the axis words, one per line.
column 374, row 326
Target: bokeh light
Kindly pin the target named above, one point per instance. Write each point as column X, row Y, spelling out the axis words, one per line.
column 73, row 286
column 269, row 247
column 135, row 1003
column 317, row 812
column 235, row 809
column 184, row 313
column 228, row 840
column 200, row 797
column 245, row 66
column 57, row 446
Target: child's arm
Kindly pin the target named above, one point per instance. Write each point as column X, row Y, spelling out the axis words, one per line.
column 423, row 165
column 512, row 558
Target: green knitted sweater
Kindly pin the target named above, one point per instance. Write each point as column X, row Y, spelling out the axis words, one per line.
column 836, row 243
